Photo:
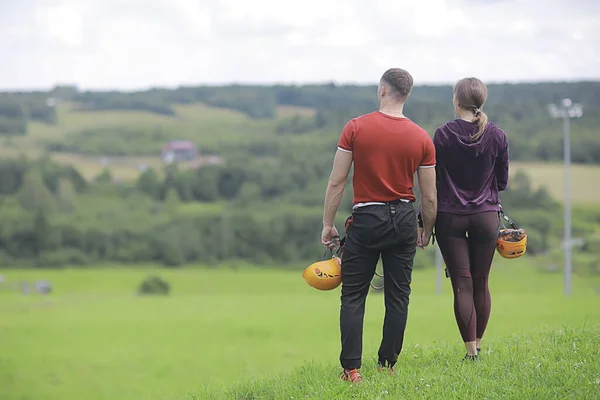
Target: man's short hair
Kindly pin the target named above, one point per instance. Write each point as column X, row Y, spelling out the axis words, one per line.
column 399, row 80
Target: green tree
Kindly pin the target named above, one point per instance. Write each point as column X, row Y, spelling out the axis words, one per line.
column 206, row 183
column 149, row 183
column 41, row 232
column 34, row 195
column 104, row 176
column 172, row 200
column 66, row 196
column 250, row 192
column 13, row 117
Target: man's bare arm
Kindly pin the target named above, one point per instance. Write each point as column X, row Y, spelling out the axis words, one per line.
column 427, row 187
column 336, row 185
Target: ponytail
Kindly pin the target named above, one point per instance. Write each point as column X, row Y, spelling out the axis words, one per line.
column 470, row 94
column 481, row 120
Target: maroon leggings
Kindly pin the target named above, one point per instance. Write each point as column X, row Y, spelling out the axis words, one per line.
column 467, row 243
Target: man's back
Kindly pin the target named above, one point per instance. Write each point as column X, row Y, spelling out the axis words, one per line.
column 387, row 152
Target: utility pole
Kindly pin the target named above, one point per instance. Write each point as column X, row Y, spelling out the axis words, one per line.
column 567, row 110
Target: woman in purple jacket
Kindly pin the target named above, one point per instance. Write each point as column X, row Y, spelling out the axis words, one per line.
column 471, row 168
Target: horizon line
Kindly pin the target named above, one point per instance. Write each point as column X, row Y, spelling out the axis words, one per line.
column 276, row 83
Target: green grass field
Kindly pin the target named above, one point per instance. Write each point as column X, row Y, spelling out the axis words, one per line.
column 242, row 332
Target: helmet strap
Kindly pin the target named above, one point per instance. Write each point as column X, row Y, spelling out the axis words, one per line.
column 504, row 217
column 329, row 250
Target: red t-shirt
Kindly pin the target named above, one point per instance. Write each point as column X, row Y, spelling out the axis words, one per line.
column 387, row 151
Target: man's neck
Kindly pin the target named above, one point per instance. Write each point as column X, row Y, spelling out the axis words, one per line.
column 394, row 109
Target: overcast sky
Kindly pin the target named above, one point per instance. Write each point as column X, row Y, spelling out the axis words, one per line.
column 103, row 44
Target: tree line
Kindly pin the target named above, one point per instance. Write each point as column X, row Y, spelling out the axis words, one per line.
column 53, row 218
column 16, row 110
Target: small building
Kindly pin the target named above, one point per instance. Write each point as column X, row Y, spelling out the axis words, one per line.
column 179, row 150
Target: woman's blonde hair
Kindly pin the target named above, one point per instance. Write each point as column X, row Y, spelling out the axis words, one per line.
column 471, row 94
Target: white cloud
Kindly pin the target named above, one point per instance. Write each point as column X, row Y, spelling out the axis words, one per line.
column 195, row 16
column 171, row 42
column 62, row 22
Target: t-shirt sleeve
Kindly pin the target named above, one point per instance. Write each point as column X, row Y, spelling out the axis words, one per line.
column 428, row 160
column 346, row 142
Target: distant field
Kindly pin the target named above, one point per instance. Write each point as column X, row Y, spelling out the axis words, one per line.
column 208, row 125
column 94, row 339
column 551, row 175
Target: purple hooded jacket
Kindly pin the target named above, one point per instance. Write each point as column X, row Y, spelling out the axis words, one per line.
column 470, row 174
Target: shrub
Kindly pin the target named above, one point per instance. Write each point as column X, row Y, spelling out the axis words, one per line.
column 154, row 285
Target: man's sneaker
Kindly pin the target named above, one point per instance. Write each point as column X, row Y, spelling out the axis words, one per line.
column 471, row 357
column 382, row 368
column 351, row 375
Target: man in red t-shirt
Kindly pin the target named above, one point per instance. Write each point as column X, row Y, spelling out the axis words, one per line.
column 387, row 149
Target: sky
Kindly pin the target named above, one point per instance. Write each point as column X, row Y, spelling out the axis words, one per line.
column 138, row 44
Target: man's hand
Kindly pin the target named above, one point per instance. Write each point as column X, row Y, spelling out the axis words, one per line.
column 425, row 238
column 328, row 235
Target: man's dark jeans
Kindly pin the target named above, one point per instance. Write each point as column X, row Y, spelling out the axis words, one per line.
column 390, row 231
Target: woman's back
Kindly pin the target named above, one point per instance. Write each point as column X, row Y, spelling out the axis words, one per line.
column 470, row 173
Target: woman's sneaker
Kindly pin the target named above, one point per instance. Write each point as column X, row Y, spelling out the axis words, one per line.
column 382, row 368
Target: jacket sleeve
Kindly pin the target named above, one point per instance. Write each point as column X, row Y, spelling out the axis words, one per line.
column 502, row 164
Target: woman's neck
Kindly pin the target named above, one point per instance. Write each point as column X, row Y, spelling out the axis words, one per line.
column 466, row 115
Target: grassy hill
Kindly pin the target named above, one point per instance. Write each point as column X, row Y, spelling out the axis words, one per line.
column 242, row 332
column 545, row 364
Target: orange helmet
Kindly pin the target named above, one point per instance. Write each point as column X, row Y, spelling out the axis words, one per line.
column 512, row 243
column 324, row 275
